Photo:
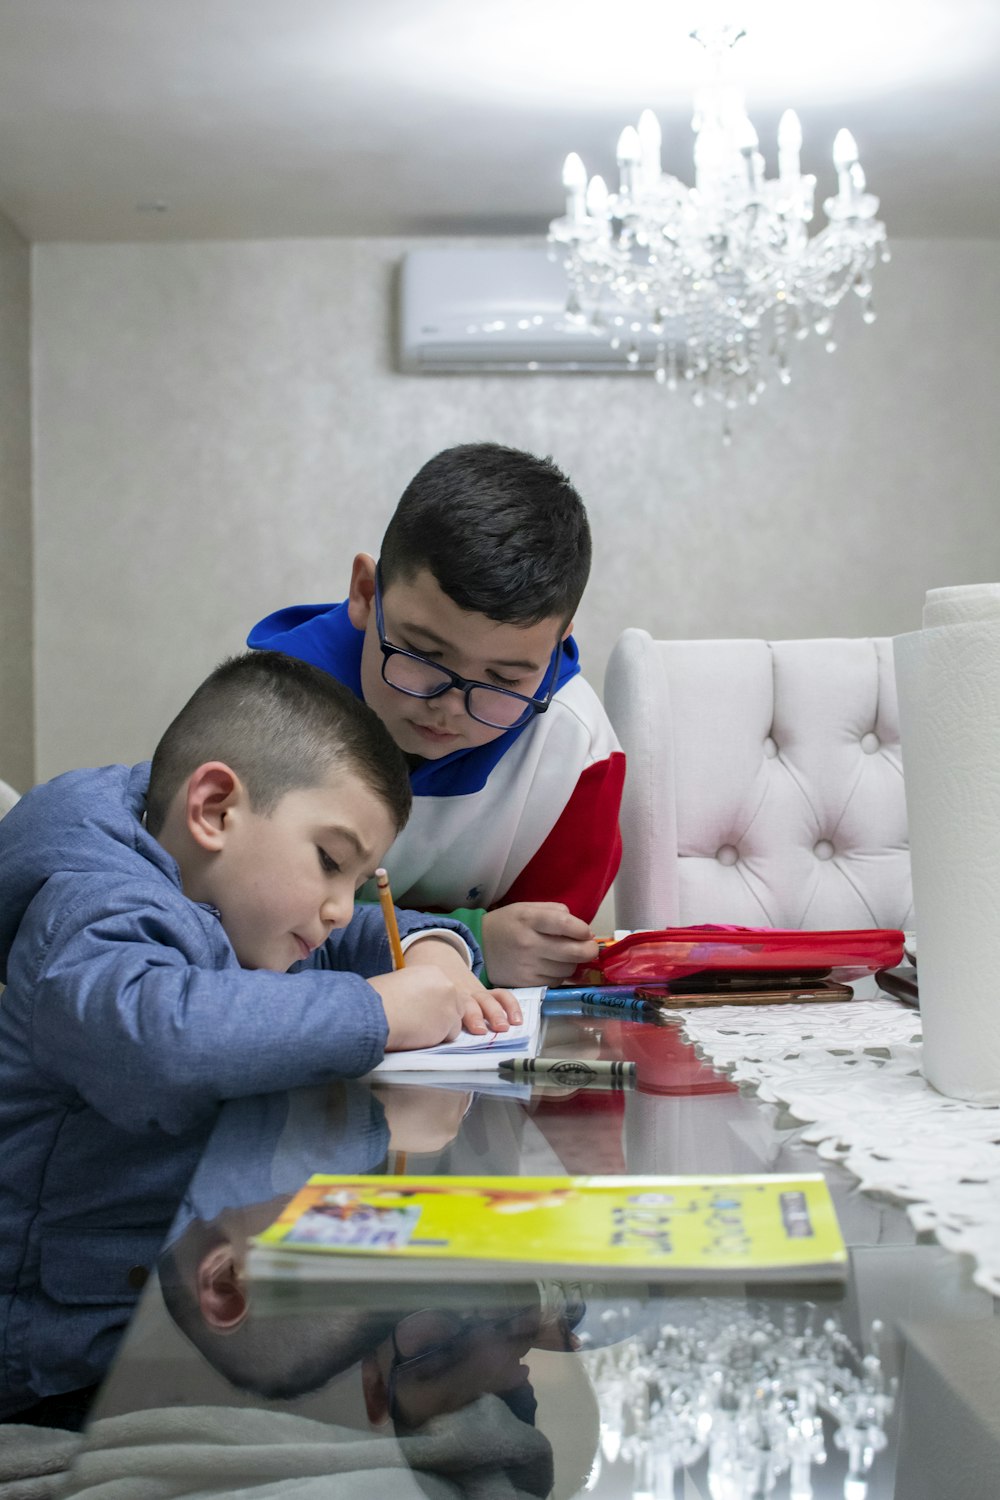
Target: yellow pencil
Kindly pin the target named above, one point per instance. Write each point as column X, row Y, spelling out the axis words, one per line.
column 389, row 916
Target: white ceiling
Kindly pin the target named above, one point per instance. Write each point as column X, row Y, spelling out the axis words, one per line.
column 163, row 119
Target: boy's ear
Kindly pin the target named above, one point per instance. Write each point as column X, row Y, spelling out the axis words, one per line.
column 221, row 1296
column 568, row 631
column 212, row 792
column 362, row 592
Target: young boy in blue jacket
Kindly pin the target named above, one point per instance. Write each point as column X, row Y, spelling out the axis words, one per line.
column 148, row 916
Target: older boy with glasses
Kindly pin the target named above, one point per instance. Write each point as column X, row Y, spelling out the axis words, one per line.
column 459, row 637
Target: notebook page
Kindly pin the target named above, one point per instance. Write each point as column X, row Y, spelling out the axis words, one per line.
column 470, row 1051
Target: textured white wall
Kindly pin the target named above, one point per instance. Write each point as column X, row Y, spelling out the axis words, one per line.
column 219, row 428
column 16, row 689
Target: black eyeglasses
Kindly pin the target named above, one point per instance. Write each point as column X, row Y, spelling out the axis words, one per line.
column 409, row 672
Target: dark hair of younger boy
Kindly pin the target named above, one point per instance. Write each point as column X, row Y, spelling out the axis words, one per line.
column 504, row 534
column 281, row 724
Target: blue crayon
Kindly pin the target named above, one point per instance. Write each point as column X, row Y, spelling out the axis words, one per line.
column 640, row 1010
column 611, row 997
column 600, row 992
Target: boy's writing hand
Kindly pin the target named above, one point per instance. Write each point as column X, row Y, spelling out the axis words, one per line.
column 482, row 1010
column 535, row 942
column 422, row 1006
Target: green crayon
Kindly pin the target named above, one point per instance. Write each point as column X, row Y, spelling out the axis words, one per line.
column 568, row 1069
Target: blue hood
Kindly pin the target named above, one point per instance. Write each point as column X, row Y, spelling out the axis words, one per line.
column 323, row 635
column 82, row 821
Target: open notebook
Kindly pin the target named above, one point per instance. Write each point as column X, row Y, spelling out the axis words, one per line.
column 468, row 1051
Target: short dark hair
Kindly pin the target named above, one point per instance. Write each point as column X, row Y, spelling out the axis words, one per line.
column 280, row 724
column 505, row 534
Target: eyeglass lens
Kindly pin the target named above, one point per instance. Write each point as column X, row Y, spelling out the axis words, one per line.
column 423, row 679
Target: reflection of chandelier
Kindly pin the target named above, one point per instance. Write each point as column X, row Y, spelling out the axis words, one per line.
column 708, row 285
column 729, row 1386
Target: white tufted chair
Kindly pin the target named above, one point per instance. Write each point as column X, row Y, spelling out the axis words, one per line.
column 764, row 783
column 8, row 797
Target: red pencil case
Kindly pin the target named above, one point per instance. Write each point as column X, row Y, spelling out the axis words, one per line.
column 675, row 952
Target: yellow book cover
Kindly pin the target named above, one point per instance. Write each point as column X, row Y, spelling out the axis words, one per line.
column 653, row 1228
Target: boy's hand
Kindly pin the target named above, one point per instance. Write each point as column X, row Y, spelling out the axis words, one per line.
column 435, row 995
column 422, row 1006
column 424, row 1119
column 535, row 942
column 482, row 1010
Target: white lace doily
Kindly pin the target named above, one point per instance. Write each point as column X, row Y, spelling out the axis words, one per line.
column 853, row 1073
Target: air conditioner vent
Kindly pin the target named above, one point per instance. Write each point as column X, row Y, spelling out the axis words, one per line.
column 494, row 311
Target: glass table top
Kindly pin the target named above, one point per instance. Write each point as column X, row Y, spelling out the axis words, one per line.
column 871, row 1387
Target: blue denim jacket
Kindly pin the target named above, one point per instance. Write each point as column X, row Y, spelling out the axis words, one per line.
column 126, row 1021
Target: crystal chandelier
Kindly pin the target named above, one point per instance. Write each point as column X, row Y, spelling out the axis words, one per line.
column 708, row 286
column 753, row 1399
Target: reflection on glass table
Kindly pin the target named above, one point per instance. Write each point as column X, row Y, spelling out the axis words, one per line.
column 724, row 1382
column 455, row 1391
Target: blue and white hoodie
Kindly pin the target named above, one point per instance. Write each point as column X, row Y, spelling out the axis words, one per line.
column 531, row 816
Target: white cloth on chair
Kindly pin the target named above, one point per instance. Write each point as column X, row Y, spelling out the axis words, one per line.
column 764, row 783
column 34, row 1460
column 481, row 1452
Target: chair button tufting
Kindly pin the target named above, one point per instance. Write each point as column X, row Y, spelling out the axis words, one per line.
column 870, row 743
column 770, row 748
column 727, row 855
column 823, row 849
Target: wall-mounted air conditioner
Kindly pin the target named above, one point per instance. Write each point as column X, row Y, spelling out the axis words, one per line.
column 476, row 310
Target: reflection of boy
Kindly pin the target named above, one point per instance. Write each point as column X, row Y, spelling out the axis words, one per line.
column 417, row 1369
column 452, row 1383
column 464, row 1413
column 436, row 1359
column 146, row 917
column 459, row 638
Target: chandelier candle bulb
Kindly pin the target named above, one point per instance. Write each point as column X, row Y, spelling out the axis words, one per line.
column 845, row 156
column 845, row 149
column 748, row 143
column 789, row 146
column 597, row 200
column 746, row 136
column 574, row 178
column 629, row 154
column 650, row 141
column 857, row 175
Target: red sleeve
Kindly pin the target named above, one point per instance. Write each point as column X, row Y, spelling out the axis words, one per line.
column 580, row 858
